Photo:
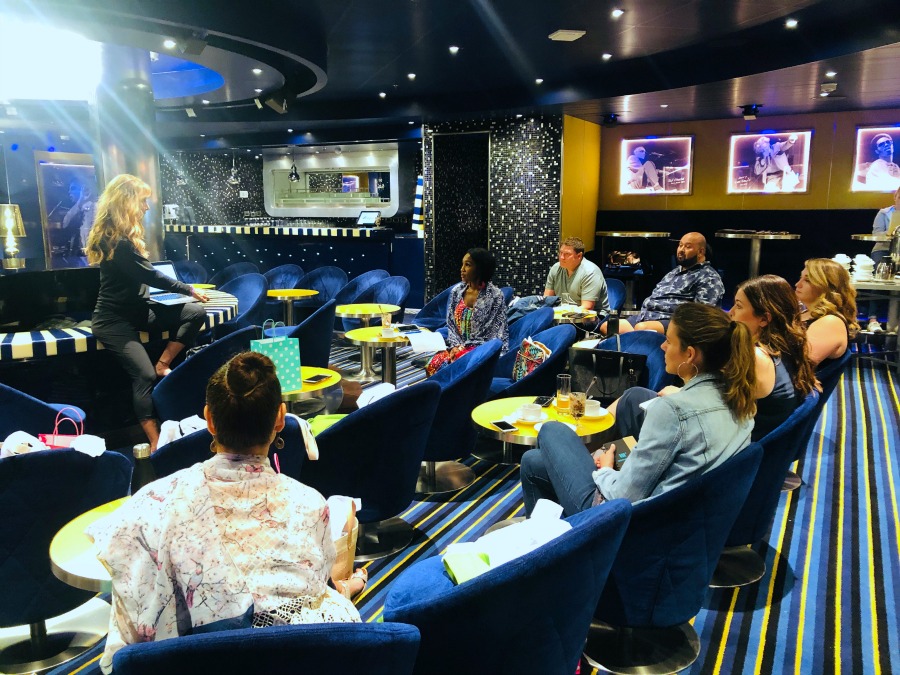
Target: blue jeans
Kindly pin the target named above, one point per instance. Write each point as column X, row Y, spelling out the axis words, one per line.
column 560, row 469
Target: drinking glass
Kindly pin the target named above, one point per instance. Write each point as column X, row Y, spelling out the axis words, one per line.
column 576, row 407
column 563, row 389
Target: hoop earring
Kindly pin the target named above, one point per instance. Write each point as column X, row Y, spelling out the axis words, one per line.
column 212, row 446
column 279, row 443
column 685, row 379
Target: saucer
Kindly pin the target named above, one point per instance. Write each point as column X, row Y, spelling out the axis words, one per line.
column 528, row 423
column 603, row 413
column 537, row 427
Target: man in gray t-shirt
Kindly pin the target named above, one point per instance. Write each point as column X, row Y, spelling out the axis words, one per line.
column 578, row 277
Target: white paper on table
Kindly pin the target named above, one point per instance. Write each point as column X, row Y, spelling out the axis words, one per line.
column 372, row 394
column 426, row 342
column 339, row 513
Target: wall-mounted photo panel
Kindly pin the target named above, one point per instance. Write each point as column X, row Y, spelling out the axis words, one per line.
column 770, row 161
column 657, row 165
column 876, row 170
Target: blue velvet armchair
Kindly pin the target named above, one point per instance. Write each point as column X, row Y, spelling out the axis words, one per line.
column 283, row 276
column 530, row 615
column 232, row 272
column 434, row 314
column 190, row 271
column 250, row 290
column 659, row 579
column 354, row 291
column 615, row 294
column 645, row 342
column 371, row 648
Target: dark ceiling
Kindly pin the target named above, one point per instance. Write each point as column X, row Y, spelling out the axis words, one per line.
column 330, row 59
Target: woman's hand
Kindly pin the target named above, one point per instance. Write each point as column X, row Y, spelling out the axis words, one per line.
column 671, row 389
column 604, row 458
column 197, row 294
column 453, row 351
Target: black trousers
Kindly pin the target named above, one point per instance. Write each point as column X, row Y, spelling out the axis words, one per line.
column 121, row 337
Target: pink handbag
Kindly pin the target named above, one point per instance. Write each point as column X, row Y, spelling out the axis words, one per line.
column 57, row 440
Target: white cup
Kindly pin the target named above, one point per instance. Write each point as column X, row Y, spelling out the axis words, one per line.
column 530, row 412
column 592, row 408
column 388, row 331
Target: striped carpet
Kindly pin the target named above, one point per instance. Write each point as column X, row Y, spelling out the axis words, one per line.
column 830, row 598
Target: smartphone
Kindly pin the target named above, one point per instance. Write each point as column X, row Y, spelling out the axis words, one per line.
column 544, row 401
column 503, row 425
column 315, row 379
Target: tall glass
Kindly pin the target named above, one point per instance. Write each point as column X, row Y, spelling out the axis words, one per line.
column 563, row 390
column 576, row 407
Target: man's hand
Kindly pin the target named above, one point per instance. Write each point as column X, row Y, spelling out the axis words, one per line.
column 604, row 458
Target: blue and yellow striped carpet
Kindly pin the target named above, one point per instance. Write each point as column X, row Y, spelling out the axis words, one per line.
column 830, row 598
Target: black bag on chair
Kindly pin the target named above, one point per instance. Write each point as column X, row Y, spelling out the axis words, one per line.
column 603, row 374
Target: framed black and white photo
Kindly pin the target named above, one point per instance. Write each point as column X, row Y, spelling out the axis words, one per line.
column 769, row 162
column 875, row 169
column 656, row 165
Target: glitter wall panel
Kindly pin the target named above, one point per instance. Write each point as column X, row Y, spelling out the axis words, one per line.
column 524, row 198
column 460, row 201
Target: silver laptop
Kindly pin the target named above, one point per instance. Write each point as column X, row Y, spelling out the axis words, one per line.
column 162, row 297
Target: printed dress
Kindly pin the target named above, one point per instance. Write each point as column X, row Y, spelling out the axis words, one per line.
column 223, row 544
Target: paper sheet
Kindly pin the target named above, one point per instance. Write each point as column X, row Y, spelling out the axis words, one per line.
column 426, row 342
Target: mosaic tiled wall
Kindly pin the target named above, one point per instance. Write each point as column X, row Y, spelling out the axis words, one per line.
column 524, row 194
column 324, row 182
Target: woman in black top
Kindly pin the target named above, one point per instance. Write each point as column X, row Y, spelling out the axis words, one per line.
column 116, row 242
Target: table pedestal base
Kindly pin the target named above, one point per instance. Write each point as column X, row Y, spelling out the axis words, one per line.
column 381, row 539
column 43, row 651
column 367, row 367
column 503, row 455
column 438, row 477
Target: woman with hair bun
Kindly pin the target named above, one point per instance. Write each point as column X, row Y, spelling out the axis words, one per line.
column 825, row 290
column 685, row 434
column 228, row 543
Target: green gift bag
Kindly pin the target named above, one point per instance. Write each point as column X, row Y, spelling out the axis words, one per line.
column 285, row 354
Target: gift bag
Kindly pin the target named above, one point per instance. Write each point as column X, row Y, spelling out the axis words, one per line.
column 285, row 354
column 531, row 354
column 604, row 374
column 345, row 547
column 57, row 440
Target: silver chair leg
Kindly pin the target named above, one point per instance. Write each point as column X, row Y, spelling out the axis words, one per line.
column 440, row 477
column 738, row 566
column 381, row 539
column 43, row 651
column 641, row 651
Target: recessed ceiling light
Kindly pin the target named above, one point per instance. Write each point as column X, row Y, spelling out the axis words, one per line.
column 830, row 73
column 248, row 149
column 381, row 94
column 257, row 71
column 790, row 23
column 539, row 81
column 169, row 43
column 202, row 135
column 290, row 131
column 411, row 122
column 411, row 76
column 564, row 35
column 205, row 101
column 663, row 105
column 258, row 91
column 606, row 56
column 518, row 117
column 454, row 49
column 616, row 13
column 823, row 94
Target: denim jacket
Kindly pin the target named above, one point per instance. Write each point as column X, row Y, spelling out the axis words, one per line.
column 683, row 435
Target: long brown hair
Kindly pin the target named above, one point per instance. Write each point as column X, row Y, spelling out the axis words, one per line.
column 727, row 349
column 772, row 297
column 243, row 398
column 119, row 216
column 836, row 294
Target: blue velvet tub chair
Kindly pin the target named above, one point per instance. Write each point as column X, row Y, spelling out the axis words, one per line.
column 182, row 392
column 390, row 291
column 39, row 493
column 250, row 290
column 374, row 453
column 190, row 271
column 660, row 577
column 22, row 412
column 434, row 314
column 541, row 380
column 193, row 448
column 464, row 385
column 645, row 342
column 530, row 615
column 356, row 290
column 739, row 564
column 615, row 293
column 283, row 276
column 234, row 271
column 370, row 648
column 508, row 293
column 327, row 280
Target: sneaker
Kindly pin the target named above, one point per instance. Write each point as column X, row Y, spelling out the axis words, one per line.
column 874, row 326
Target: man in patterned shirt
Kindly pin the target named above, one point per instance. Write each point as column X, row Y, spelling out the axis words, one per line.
column 694, row 280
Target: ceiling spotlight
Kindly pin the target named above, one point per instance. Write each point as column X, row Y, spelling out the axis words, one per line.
column 609, row 119
column 411, row 122
column 750, row 110
column 790, row 23
column 205, row 101
column 293, row 176
column 382, row 94
column 823, row 94
column 257, row 71
column 539, row 81
column 290, row 131
column 454, row 49
column 663, row 105
column 616, row 13
column 258, row 91
column 202, row 135
column 606, row 56
column 338, row 151
column 519, row 116
column 830, row 73
column 411, row 76
column 169, row 43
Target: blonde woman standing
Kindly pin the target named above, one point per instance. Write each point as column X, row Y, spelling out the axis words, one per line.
column 116, row 243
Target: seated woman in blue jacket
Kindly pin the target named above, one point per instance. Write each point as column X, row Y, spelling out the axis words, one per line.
column 683, row 435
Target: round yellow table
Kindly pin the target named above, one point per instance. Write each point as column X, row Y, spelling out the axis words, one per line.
column 73, row 557
column 370, row 339
column 525, row 433
column 365, row 312
column 287, row 297
column 318, row 389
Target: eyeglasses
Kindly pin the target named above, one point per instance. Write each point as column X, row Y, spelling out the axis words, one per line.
column 884, row 142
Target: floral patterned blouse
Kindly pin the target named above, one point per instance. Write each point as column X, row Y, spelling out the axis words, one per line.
column 219, row 545
column 474, row 326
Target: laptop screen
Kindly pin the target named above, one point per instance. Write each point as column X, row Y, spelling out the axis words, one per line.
column 163, row 267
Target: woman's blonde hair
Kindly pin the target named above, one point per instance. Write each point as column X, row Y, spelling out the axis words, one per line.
column 727, row 349
column 784, row 334
column 836, row 295
column 119, row 216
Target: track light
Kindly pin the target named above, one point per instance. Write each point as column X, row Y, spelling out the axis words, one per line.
column 750, row 110
column 610, row 120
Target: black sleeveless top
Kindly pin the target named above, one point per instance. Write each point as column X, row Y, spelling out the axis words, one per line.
column 775, row 408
